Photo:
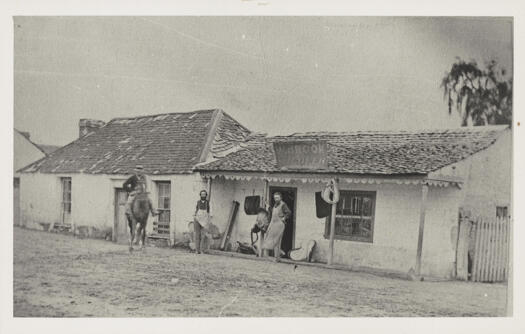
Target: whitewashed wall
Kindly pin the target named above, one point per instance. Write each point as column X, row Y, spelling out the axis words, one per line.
column 40, row 198
column 395, row 228
column 488, row 177
column 439, row 239
column 91, row 199
column 184, row 195
column 93, row 196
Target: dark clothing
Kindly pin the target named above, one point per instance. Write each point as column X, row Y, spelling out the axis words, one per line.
column 134, row 181
column 284, row 212
column 203, row 205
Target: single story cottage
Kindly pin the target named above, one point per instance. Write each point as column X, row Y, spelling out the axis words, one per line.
column 80, row 184
column 400, row 192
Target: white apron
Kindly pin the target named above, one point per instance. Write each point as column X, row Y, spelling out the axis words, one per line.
column 202, row 217
column 275, row 231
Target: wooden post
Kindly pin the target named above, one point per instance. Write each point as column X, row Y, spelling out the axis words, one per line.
column 460, row 217
column 500, row 249
column 266, row 201
column 509, row 239
column 477, row 252
column 266, row 195
column 208, row 188
column 332, row 231
column 424, row 193
column 485, row 242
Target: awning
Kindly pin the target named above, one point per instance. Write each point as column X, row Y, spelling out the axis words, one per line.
column 438, row 181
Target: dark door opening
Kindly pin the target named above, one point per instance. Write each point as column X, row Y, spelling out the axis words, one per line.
column 289, row 196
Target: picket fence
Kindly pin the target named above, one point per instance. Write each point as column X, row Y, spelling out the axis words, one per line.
column 491, row 253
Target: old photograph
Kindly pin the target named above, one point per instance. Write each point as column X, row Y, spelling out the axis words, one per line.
column 262, row 166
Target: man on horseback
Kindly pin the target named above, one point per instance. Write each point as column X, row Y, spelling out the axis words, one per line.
column 135, row 185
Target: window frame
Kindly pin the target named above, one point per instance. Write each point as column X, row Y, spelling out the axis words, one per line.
column 354, row 193
column 63, row 181
column 162, row 209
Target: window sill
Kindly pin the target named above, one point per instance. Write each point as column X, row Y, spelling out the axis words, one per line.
column 348, row 238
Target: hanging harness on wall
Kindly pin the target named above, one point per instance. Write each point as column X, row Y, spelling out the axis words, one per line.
column 322, row 209
column 252, row 204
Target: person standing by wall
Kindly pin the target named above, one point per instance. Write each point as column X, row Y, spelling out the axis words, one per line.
column 201, row 219
column 280, row 213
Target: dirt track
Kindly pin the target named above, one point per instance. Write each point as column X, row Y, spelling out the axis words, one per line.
column 60, row 276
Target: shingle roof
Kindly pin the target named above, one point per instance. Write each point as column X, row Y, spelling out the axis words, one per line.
column 229, row 134
column 163, row 144
column 375, row 152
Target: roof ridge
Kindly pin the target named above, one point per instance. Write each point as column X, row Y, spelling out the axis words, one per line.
column 163, row 114
column 428, row 130
column 235, row 120
column 213, row 125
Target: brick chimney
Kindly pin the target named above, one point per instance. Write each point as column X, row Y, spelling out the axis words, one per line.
column 86, row 126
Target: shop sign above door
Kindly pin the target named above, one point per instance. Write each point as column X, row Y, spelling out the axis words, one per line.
column 301, row 154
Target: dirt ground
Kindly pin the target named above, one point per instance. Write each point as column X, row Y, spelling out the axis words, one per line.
column 61, row 276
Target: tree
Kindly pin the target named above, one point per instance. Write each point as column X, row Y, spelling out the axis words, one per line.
column 481, row 95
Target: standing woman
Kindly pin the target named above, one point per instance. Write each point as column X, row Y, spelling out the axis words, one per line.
column 280, row 213
column 201, row 219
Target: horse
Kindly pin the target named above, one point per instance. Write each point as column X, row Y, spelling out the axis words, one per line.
column 141, row 206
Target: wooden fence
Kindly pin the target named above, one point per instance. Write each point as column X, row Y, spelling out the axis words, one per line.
column 491, row 252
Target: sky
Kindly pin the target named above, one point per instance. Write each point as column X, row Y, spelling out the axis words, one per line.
column 276, row 75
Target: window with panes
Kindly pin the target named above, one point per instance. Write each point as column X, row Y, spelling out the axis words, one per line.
column 354, row 218
column 162, row 226
column 66, row 194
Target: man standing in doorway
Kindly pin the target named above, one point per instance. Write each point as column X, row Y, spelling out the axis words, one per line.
column 201, row 219
column 280, row 213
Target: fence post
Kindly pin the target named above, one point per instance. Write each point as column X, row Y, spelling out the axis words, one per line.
column 492, row 265
column 477, row 252
column 483, row 258
column 499, row 276
column 506, row 253
column 489, row 249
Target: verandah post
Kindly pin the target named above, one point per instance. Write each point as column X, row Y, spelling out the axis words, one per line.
column 266, row 201
column 424, row 193
column 332, row 229
column 208, row 188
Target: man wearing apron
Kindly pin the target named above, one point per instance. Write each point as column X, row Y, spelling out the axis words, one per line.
column 280, row 213
column 201, row 219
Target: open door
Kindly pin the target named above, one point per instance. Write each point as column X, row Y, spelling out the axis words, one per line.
column 289, row 196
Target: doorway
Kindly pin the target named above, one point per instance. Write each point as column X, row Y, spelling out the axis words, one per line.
column 120, row 227
column 289, row 196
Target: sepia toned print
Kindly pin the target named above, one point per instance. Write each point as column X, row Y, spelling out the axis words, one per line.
column 262, row 166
